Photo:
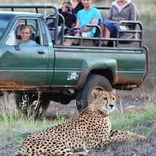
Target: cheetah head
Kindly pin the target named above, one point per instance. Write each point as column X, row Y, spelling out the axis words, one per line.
column 104, row 101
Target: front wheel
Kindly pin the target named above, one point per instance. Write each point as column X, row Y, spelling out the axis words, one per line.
column 93, row 82
column 31, row 105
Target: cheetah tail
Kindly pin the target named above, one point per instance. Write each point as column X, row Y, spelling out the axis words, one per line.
column 137, row 136
column 118, row 136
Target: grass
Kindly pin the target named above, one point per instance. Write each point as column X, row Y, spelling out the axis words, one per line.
column 140, row 122
column 14, row 127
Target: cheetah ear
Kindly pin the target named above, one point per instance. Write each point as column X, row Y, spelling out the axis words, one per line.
column 114, row 91
column 94, row 93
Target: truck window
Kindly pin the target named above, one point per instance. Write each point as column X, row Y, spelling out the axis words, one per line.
column 4, row 20
column 43, row 31
column 11, row 39
column 33, row 24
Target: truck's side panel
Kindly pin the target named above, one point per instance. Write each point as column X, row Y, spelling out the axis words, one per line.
column 131, row 64
column 24, row 65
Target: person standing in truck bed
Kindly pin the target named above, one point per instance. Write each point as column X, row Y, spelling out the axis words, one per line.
column 67, row 13
column 120, row 10
column 88, row 15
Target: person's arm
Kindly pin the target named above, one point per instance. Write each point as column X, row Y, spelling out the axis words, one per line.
column 70, row 20
column 94, row 21
column 133, row 12
column 110, row 14
column 77, row 23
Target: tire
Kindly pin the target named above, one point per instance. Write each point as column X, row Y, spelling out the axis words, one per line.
column 31, row 105
column 83, row 97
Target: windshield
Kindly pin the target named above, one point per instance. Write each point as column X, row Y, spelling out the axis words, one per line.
column 4, row 20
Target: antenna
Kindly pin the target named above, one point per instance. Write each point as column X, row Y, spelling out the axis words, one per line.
column 45, row 10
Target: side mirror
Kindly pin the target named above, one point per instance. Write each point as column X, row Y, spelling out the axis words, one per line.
column 17, row 46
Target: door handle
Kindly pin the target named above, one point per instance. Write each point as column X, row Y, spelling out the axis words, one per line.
column 40, row 52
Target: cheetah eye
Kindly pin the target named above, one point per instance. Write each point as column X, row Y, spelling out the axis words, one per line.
column 113, row 98
column 105, row 98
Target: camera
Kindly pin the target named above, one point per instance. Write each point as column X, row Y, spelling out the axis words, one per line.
column 68, row 8
column 72, row 31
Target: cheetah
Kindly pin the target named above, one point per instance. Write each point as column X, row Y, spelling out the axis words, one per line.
column 91, row 129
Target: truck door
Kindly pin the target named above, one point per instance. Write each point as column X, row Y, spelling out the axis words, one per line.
column 25, row 64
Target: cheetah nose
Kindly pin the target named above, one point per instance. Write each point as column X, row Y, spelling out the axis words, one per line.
column 111, row 106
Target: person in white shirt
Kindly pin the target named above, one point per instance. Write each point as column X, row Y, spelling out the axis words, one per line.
column 25, row 33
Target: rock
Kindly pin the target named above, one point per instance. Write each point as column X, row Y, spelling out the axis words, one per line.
column 133, row 109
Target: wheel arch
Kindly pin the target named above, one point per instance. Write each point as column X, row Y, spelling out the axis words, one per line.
column 104, row 67
column 108, row 74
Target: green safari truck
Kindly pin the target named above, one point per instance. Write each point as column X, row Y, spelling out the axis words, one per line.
column 45, row 72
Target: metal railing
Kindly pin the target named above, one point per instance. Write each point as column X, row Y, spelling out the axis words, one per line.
column 138, row 29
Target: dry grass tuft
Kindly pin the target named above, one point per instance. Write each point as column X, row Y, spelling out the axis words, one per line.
column 7, row 104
